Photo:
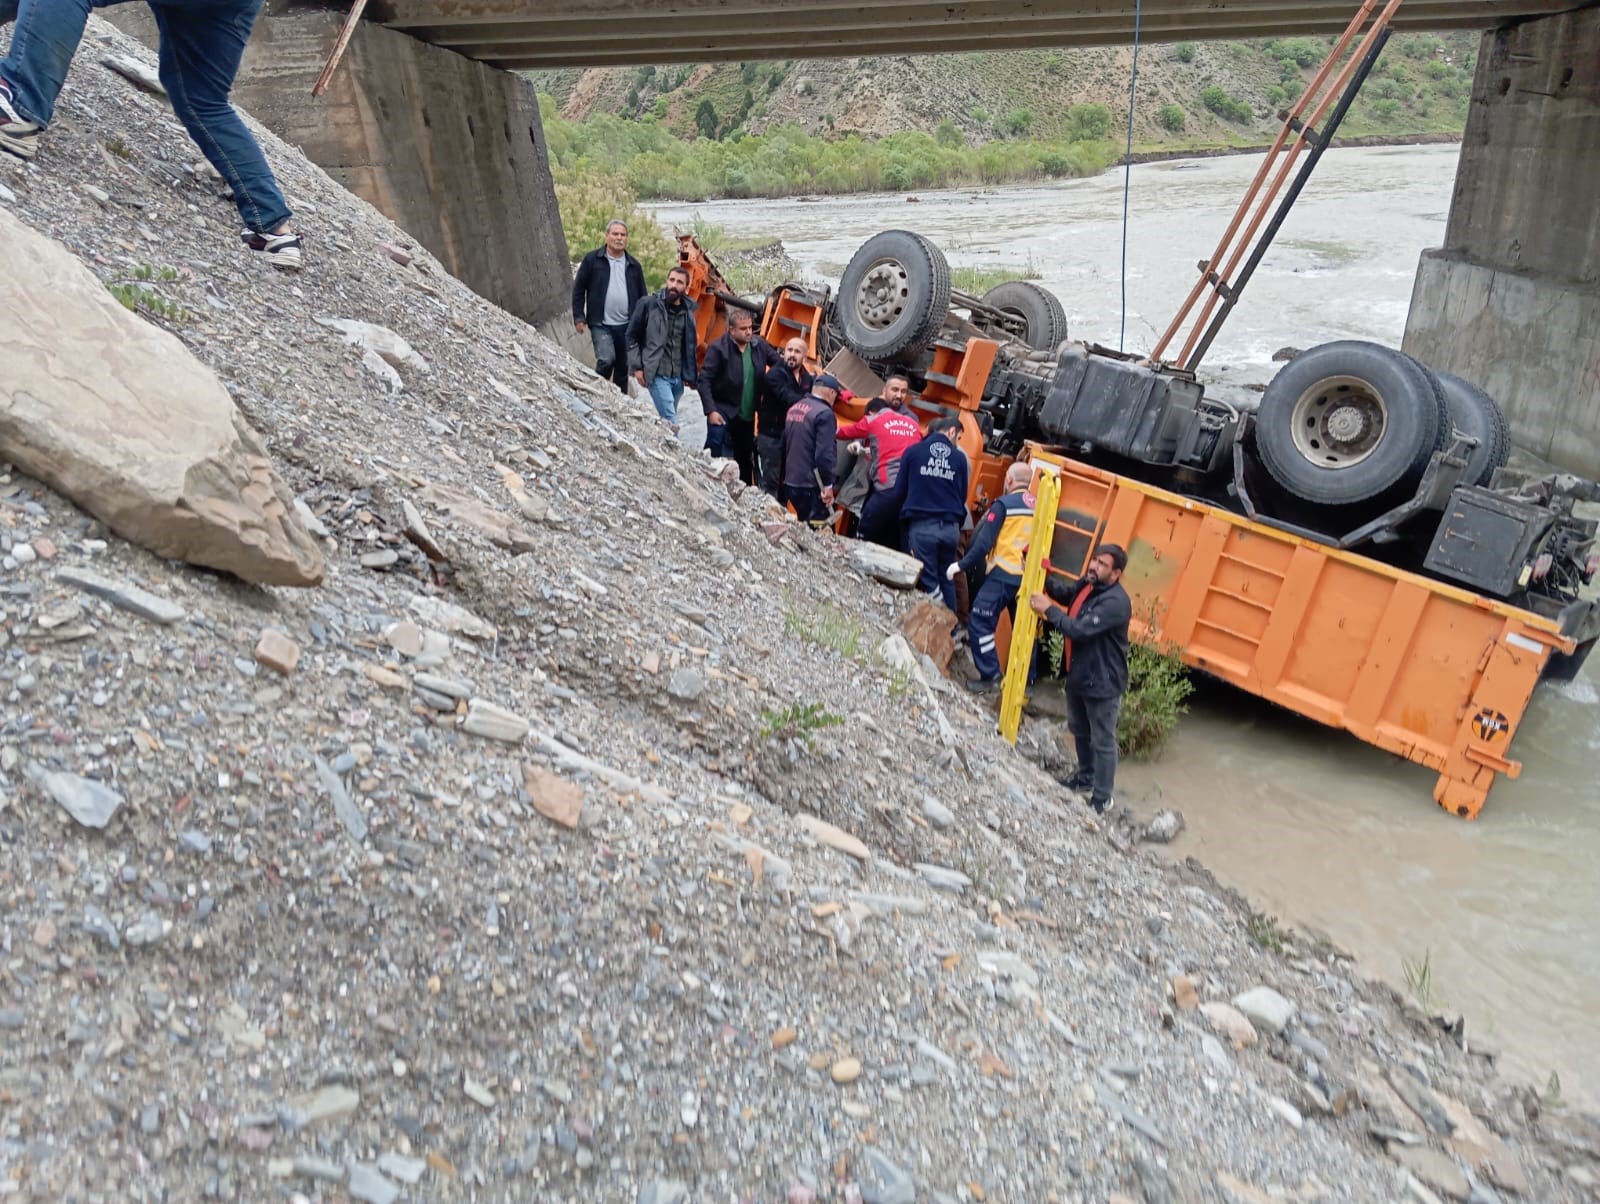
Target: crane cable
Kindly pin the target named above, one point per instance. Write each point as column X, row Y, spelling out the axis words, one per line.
column 1127, row 173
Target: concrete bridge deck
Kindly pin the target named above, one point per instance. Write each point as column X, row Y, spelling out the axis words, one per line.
column 519, row 34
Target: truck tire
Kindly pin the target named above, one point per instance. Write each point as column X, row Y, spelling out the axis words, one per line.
column 1348, row 422
column 893, row 296
column 1473, row 412
column 1040, row 310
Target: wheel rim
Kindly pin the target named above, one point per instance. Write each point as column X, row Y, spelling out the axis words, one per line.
column 1339, row 422
column 882, row 295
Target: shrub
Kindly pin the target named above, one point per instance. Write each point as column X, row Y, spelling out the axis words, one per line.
column 1172, row 118
column 1158, row 690
column 588, row 200
column 1017, row 122
column 1386, row 110
column 1302, row 52
column 1420, row 48
column 798, row 722
column 1184, row 52
column 949, row 136
column 1054, row 64
column 1088, row 123
column 1225, row 105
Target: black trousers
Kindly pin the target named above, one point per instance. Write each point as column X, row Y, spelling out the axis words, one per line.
column 769, row 450
column 808, row 504
column 740, row 446
column 1093, row 724
column 611, row 353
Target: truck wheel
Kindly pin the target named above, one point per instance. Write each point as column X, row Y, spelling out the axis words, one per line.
column 1346, row 422
column 893, row 296
column 1040, row 310
column 1473, row 412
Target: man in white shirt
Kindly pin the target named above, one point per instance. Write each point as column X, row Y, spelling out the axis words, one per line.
column 608, row 285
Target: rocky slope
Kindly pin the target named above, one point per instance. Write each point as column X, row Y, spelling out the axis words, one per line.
column 532, row 880
column 1420, row 88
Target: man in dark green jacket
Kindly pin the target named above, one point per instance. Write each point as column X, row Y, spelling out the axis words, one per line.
column 732, row 382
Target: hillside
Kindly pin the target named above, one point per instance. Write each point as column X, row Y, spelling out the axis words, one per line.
column 1421, row 87
column 658, row 934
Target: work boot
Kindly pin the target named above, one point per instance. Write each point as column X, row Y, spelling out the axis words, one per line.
column 1102, row 806
column 983, row 685
column 18, row 135
column 1078, row 783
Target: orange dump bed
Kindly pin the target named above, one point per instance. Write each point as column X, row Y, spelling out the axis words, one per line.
column 1434, row 673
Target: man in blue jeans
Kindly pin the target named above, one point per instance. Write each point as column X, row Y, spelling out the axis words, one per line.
column 202, row 42
column 663, row 345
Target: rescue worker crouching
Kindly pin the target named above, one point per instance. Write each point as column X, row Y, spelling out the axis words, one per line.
column 1001, row 542
column 1095, row 624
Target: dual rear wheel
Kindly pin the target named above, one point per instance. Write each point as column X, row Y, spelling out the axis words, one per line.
column 1351, row 422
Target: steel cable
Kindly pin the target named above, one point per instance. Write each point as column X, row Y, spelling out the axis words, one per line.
column 1127, row 172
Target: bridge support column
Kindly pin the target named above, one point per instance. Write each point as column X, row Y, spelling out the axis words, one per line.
column 450, row 150
column 1512, row 300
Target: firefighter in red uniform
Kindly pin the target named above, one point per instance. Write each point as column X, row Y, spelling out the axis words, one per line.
column 891, row 428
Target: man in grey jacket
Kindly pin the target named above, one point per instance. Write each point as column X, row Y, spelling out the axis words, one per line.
column 662, row 344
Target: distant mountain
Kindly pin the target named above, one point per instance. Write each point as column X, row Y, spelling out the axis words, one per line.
column 1189, row 95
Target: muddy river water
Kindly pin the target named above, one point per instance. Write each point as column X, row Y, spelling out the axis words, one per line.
column 1316, row 828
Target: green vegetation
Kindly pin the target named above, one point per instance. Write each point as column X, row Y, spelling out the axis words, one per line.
column 797, row 722
column 979, row 280
column 825, row 626
column 1419, row 982
column 643, row 160
column 590, row 199
column 133, row 295
column 784, row 128
column 1225, row 105
column 1264, row 931
column 1158, row 690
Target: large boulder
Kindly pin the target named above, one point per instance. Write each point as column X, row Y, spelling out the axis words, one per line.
column 116, row 414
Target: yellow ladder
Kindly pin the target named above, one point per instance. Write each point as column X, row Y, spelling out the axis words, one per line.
column 1025, row 627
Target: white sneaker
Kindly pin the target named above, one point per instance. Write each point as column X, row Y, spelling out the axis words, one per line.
column 280, row 250
column 18, row 135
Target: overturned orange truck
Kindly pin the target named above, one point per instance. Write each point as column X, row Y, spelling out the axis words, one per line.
column 1348, row 544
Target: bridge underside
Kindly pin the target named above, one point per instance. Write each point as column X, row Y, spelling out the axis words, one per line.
column 519, row 34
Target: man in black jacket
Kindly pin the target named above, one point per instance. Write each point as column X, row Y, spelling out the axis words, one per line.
column 731, row 384
column 787, row 381
column 1095, row 624
column 662, row 343
column 608, row 285
column 810, row 438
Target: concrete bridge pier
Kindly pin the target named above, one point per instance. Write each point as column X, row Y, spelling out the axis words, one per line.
column 1512, row 300
column 450, row 150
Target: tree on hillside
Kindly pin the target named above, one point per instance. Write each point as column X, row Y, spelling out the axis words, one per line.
column 705, row 119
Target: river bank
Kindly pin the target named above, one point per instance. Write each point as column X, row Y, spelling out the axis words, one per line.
column 1211, row 151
